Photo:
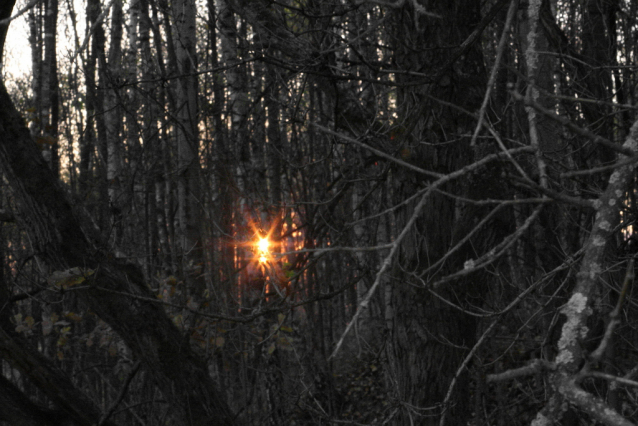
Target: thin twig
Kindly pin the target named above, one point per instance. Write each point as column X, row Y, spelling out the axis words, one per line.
column 612, row 378
column 497, row 64
column 575, row 128
column 376, row 151
column 474, row 265
column 386, row 264
column 601, row 169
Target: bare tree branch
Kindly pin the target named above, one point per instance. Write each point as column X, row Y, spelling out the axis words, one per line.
column 595, row 407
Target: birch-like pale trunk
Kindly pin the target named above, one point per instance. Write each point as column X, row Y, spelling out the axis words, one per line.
column 154, row 233
column 237, row 143
column 50, row 100
column 44, row 125
column 95, row 166
column 110, row 75
column 188, row 185
column 164, row 186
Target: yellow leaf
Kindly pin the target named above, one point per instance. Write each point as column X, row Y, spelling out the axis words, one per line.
column 73, row 316
column 284, row 344
column 271, row 348
column 69, row 278
column 30, row 321
column 178, row 320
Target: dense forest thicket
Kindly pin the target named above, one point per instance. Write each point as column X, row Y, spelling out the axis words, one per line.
column 319, row 212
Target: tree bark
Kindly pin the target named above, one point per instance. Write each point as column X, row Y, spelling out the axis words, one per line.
column 428, row 339
column 110, row 77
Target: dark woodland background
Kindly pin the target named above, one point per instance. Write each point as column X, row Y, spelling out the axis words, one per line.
column 448, row 189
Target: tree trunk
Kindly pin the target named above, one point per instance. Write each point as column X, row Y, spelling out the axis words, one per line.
column 428, row 338
column 110, row 77
column 188, row 184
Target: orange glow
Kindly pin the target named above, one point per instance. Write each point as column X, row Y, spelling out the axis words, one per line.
column 262, row 247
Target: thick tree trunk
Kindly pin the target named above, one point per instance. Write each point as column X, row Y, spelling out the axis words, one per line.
column 427, row 338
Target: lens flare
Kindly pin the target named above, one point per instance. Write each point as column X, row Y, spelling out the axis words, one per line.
column 262, row 247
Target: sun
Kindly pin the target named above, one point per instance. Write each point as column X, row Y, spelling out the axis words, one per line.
column 263, row 246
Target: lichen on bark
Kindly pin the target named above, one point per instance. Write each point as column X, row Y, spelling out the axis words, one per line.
column 573, row 329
